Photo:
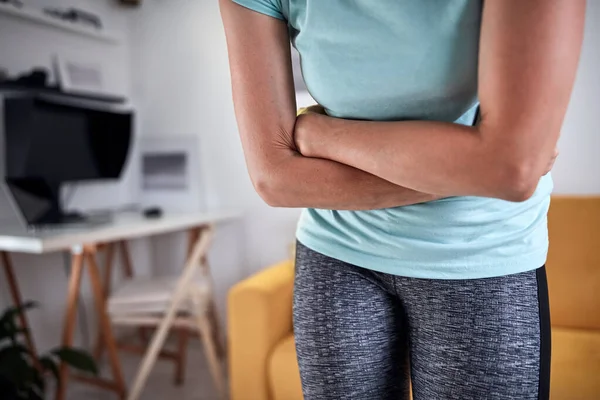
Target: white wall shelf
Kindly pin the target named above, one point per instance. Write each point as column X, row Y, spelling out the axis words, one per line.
column 38, row 17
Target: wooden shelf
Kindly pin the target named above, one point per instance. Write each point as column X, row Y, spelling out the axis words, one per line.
column 38, row 17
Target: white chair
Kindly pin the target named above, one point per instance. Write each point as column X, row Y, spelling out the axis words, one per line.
column 183, row 302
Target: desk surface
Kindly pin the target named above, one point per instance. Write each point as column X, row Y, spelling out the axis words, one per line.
column 123, row 226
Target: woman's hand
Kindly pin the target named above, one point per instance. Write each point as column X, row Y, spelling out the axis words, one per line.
column 309, row 126
column 314, row 109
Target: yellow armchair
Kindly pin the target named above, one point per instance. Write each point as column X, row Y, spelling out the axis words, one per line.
column 262, row 356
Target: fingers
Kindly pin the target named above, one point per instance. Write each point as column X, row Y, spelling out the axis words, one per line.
column 316, row 109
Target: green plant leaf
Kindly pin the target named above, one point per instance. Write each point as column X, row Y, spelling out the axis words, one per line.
column 39, row 383
column 15, row 367
column 7, row 387
column 35, row 394
column 77, row 359
column 8, row 326
column 28, row 381
column 9, row 330
column 16, row 363
column 17, row 350
column 11, row 312
column 31, row 393
column 48, row 364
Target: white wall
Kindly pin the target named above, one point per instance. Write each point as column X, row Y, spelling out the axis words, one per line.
column 23, row 45
column 181, row 84
column 577, row 169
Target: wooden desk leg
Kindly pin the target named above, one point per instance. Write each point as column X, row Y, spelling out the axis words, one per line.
column 182, row 345
column 70, row 317
column 210, row 349
column 108, row 266
column 17, row 300
column 213, row 316
column 104, row 322
column 126, row 259
column 184, row 333
column 143, row 332
column 219, row 338
column 180, row 292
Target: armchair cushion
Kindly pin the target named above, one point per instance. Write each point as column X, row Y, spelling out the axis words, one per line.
column 259, row 318
column 575, row 364
column 284, row 375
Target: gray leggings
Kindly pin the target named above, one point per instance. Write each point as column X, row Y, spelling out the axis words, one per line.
column 363, row 335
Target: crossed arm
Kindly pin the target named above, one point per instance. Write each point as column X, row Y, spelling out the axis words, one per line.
column 528, row 59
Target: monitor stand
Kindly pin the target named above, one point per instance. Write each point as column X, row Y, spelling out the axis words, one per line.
column 39, row 204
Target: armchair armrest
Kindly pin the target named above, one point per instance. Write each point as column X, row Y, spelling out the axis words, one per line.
column 259, row 317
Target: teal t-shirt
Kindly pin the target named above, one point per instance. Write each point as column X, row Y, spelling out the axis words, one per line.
column 408, row 60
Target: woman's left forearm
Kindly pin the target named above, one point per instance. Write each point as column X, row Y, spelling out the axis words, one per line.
column 434, row 157
column 528, row 58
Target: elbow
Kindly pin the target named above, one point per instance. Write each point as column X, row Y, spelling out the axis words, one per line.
column 269, row 188
column 519, row 192
column 271, row 179
column 519, row 183
column 512, row 171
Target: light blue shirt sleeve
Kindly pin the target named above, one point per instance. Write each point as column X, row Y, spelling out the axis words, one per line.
column 271, row 8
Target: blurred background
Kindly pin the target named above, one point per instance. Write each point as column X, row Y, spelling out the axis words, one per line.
column 158, row 71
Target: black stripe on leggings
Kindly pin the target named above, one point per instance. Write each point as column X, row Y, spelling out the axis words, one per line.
column 545, row 334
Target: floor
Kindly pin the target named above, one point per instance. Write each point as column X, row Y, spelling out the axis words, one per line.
column 197, row 386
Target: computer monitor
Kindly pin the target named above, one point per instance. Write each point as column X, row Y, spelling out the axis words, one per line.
column 48, row 143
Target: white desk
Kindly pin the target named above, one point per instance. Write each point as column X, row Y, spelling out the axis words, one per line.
column 123, row 226
column 83, row 244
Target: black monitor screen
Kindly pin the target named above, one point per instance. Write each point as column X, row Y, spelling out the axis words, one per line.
column 64, row 133
column 60, row 143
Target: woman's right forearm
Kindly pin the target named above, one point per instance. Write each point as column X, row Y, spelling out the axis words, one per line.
column 265, row 106
column 298, row 181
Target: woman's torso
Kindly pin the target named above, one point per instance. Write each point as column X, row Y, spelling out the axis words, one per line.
column 409, row 60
